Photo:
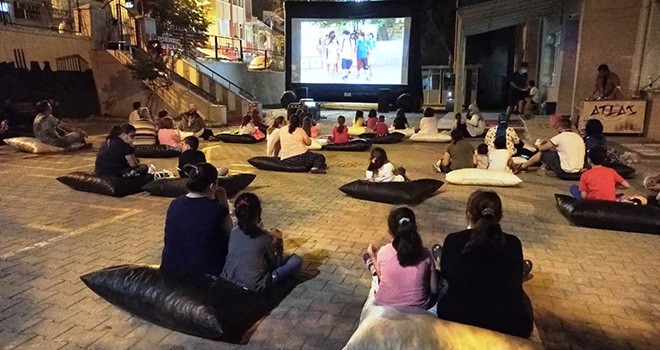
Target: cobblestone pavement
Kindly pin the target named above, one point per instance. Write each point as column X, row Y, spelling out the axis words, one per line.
column 591, row 289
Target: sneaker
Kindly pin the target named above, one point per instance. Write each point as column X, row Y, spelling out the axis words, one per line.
column 527, row 267
column 317, row 171
column 436, row 252
column 437, row 169
column 369, row 263
column 273, row 278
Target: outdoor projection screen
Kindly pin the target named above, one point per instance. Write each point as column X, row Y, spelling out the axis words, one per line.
column 352, row 51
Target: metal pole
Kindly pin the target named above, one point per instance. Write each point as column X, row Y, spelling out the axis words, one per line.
column 79, row 16
column 240, row 46
column 215, row 37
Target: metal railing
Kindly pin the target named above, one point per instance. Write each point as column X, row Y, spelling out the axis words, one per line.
column 230, row 85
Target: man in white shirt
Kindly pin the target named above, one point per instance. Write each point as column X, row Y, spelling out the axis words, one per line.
column 134, row 116
column 564, row 153
column 534, row 92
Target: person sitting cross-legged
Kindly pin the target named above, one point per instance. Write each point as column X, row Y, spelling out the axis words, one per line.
column 255, row 259
column 564, row 153
column 116, row 157
column 599, row 182
column 381, row 129
column 484, row 270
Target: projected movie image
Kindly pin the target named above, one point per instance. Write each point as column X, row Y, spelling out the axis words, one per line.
column 343, row 51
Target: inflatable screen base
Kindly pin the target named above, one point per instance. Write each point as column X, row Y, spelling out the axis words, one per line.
column 408, row 192
column 609, row 215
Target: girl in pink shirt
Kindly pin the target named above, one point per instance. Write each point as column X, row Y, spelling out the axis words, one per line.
column 340, row 132
column 406, row 272
column 167, row 135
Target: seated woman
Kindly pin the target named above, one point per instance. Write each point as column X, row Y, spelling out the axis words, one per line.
column 484, row 270
column 593, row 135
column 381, row 170
column 248, row 128
column 197, row 226
column 340, row 132
column 458, row 155
column 52, row 131
column 460, row 125
column 167, row 135
column 273, row 130
column 404, row 271
column 257, row 121
column 293, row 142
column 400, row 121
column 191, row 121
column 514, row 145
column 429, row 123
column 147, row 130
column 116, row 155
column 474, row 122
column 255, row 259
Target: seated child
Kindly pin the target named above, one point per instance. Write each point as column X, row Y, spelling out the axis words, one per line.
column 482, row 156
column 273, row 131
column 599, row 182
column 404, row 271
column 340, row 132
column 255, row 257
column 381, row 170
column 168, row 135
column 500, row 159
column 191, row 155
column 381, row 129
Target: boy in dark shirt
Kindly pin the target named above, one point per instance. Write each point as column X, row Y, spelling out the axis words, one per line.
column 191, row 155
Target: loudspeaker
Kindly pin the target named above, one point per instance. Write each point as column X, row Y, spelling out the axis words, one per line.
column 384, row 100
column 287, row 98
column 302, row 92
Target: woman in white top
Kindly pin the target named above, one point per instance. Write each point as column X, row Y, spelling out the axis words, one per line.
column 293, row 143
column 499, row 158
column 382, row 170
column 429, row 123
column 247, row 128
column 274, row 150
column 476, row 126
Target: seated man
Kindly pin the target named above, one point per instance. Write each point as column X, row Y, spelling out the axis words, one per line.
column 147, row 130
column 599, row 182
column 564, row 153
column 52, row 131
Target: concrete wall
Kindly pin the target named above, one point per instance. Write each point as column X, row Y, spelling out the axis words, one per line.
column 608, row 33
column 266, row 86
column 650, row 71
column 42, row 45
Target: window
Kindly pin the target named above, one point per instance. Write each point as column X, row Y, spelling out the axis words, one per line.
column 27, row 11
column 5, row 7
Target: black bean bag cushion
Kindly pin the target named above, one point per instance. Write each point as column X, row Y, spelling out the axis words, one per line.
column 274, row 164
column 625, row 171
column 395, row 137
column 233, row 138
column 609, row 215
column 357, row 145
column 109, row 186
column 156, row 151
column 177, row 187
column 408, row 192
column 213, row 309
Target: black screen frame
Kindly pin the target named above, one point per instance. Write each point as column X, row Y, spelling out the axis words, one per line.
column 357, row 10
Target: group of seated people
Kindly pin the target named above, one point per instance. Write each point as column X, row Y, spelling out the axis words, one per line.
column 201, row 238
column 474, row 278
column 162, row 129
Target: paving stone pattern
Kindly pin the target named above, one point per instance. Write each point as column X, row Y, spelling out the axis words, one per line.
column 591, row 289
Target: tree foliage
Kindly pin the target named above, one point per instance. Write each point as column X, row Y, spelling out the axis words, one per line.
column 176, row 17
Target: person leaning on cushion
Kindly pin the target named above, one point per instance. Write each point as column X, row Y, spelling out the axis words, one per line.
column 52, row 131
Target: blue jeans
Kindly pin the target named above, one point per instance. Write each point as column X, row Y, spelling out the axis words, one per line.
column 288, row 267
column 575, row 192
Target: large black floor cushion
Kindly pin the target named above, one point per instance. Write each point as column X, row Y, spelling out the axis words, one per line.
column 394, row 137
column 625, row 171
column 177, row 187
column 275, row 164
column 610, row 215
column 213, row 309
column 233, row 138
column 156, row 151
column 357, row 145
column 109, row 186
column 409, row 192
